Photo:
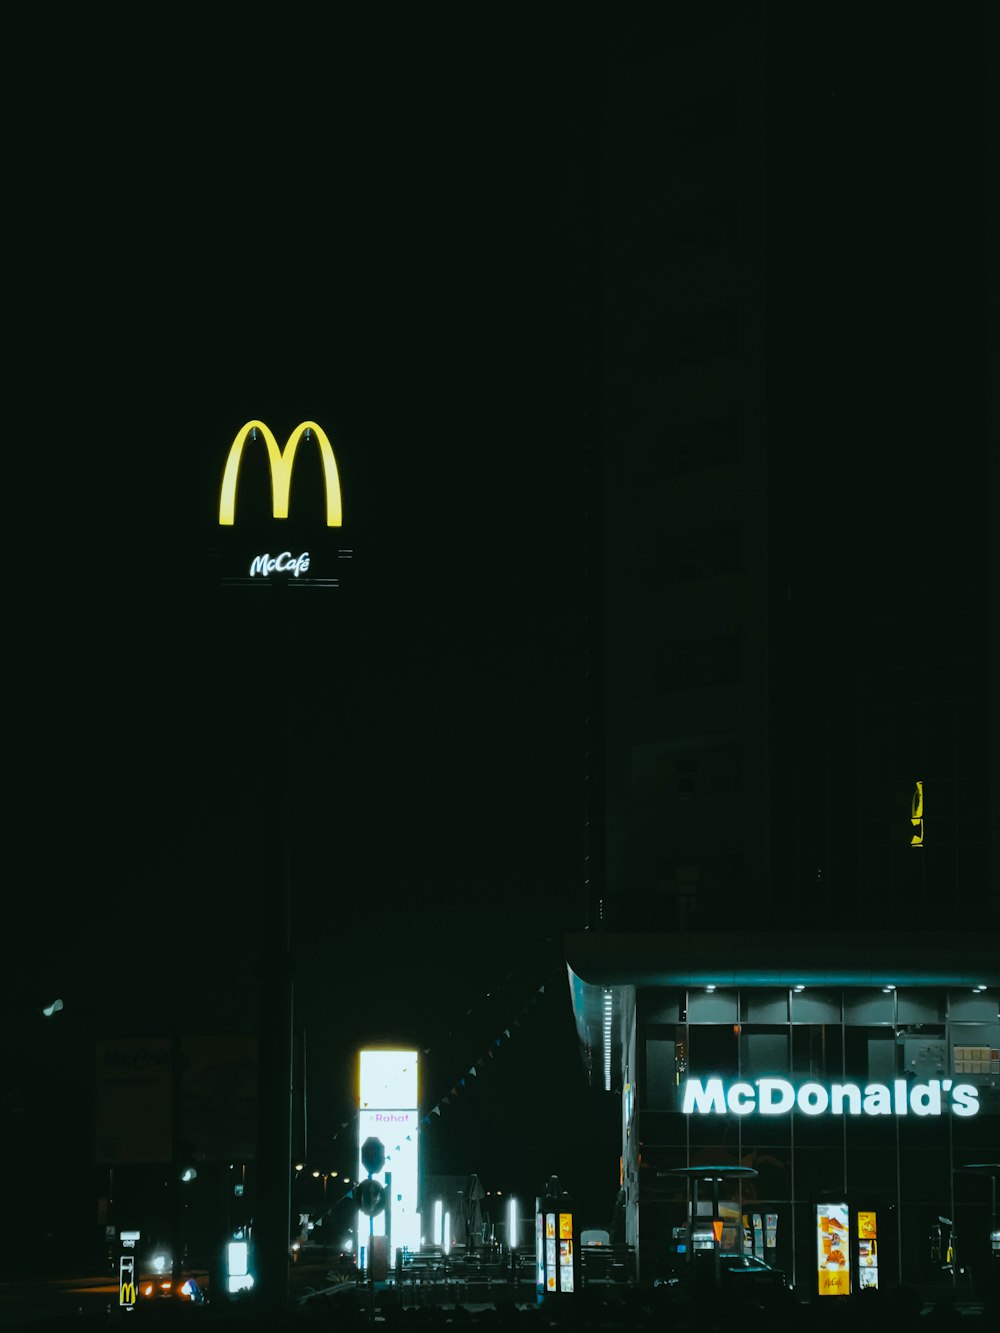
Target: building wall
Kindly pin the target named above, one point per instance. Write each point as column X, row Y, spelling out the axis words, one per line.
column 792, row 661
column 795, row 607
column 907, row 1168
column 685, row 618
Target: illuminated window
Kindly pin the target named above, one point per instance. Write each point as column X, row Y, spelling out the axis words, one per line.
column 972, row 1059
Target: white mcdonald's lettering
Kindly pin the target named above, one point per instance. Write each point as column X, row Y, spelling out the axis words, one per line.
column 778, row 1096
column 284, row 563
column 281, row 461
column 849, row 1093
column 704, row 1099
column 741, row 1098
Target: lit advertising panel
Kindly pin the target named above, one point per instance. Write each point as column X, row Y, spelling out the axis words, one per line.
column 388, row 1111
column 833, row 1249
column 867, row 1250
column 565, row 1251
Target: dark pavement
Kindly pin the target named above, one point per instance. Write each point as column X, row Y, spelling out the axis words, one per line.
column 83, row 1304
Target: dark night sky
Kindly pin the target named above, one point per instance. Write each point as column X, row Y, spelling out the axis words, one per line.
column 367, row 228
column 371, row 226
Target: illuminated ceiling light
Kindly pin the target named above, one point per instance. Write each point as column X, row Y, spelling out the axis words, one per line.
column 798, row 989
column 979, row 988
column 887, row 990
column 710, row 989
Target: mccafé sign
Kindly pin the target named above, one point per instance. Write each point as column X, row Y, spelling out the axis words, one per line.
column 284, row 566
column 778, row 1096
column 285, row 563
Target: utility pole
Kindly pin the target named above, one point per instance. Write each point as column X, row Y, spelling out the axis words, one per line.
column 272, row 1225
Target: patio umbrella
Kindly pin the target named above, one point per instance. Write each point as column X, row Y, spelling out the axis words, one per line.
column 460, row 1227
column 474, row 1212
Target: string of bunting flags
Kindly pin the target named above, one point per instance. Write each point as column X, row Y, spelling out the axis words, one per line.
column 455, row 1091
column 488, row 1054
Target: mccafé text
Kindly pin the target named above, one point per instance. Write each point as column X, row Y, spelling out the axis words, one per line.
column 285, row 563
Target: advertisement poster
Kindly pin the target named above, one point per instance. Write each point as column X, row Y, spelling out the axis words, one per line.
column 867, row 1251
column 565, row 1265
column 833, row 1249
column 218, row 1098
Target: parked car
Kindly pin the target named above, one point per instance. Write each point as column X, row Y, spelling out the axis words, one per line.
column 745, row 1270
column 736, row 1272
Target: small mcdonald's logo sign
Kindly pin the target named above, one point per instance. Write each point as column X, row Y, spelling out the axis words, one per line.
column 126, row 1281
column 917, row 815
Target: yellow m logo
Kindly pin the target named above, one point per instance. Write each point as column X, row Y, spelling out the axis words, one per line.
column 127, row 1294
column 917, row 815
column 281, row 461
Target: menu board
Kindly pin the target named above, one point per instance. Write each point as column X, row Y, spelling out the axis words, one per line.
column 867, row 1250
column 565, row 1251
column 833, row 1260
column 550, row 1251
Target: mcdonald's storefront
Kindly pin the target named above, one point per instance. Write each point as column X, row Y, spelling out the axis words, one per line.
column 838, row 1119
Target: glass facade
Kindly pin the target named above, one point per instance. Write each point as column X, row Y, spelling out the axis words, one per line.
column 878, row 1124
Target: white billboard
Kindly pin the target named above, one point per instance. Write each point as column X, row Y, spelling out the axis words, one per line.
column 388, row 1101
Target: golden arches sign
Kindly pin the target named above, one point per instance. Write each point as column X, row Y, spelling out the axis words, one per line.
column 917, row 815
column 281, row 461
